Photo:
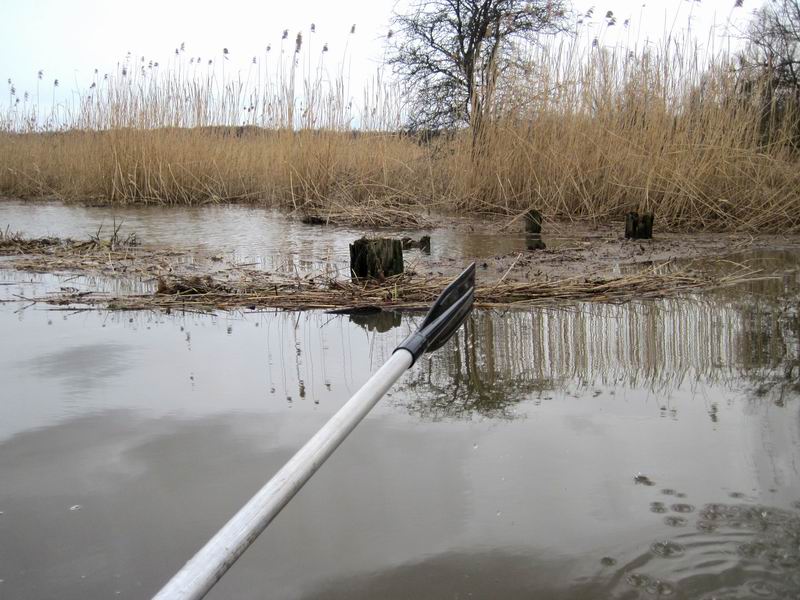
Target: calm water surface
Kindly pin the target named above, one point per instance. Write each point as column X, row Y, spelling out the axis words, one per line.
column 251, row 235
column 590, row 451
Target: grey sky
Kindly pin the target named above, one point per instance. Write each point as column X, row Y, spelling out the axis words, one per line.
column 69, row 39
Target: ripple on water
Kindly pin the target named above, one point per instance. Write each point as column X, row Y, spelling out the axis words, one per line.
column 658, row 507
column 764, row 589
column 706, row 526
column 654, row 587
column 734, row 551
column 667, row 549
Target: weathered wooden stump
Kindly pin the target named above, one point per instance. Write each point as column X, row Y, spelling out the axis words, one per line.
column 639, row 227
column 534, row 242
column 644, row 231
column 376, row 258
column 423, row 244
column 631, row 222
column 533, row 221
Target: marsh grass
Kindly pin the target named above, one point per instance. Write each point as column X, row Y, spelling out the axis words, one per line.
column 584, row 133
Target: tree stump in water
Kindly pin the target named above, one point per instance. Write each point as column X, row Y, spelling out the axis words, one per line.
column 639, row 227
column 533, row 221
column 423, row 244
column 534, row 242
column 376, row 258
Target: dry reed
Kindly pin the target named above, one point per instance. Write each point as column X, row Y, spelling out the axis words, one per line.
column 585, row 134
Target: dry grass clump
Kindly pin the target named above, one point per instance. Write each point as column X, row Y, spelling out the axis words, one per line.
column 14, row 243
column 586, row 134
column 373, row 214
column 259, row 289
column 114, row 256
column 193, row 285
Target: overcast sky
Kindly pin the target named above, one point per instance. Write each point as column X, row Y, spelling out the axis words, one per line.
column 68, row 39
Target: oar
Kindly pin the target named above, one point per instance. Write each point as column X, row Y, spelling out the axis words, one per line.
column 200, row 574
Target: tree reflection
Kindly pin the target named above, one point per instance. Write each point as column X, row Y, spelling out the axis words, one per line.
column 498, row 359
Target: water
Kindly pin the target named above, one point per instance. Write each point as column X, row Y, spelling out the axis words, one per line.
column 588, row 451
column 250, row 235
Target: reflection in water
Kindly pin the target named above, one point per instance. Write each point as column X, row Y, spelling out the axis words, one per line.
column 257, row 236
column 496, row 360
column 466, row 575
column 641, row 450
column 83, row 367
column 380, row 321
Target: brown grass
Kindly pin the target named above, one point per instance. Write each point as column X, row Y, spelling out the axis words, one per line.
column 584, row 135
column 178, row 283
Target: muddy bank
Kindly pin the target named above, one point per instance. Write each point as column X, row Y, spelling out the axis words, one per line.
column 580, row 249
column 589, row 265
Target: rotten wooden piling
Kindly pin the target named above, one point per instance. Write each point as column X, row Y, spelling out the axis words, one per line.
column 638, row 227
column 644, row 231
column 533, row 221
column 423, row 244
column 376, row 258
column 533, row 241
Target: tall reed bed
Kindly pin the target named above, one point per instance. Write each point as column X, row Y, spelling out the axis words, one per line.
column 583, row 132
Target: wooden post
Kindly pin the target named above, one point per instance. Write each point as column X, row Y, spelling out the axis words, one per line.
column 379, row 257
column 533, row 221
column 631, row 225
column 534, row 242
column 644, row 231
column 425, row 244
column 639, row 227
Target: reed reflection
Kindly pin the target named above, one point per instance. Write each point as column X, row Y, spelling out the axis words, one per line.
column 745, row 343
column 498, row 359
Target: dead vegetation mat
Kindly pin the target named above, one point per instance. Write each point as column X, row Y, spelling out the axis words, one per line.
column 261, row 290
column 178, row 280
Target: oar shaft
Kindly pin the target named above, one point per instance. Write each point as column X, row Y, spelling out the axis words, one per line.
column 200, row 574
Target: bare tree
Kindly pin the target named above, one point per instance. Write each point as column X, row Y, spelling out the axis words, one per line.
column 771, row 64
column 773, row 42
column 452, row 53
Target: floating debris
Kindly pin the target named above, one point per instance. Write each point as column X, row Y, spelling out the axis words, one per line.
column 641, row 479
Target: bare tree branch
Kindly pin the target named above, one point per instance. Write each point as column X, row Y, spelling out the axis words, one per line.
column 451, row 53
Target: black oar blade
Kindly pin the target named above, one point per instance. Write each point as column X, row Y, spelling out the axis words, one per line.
column 445, row 316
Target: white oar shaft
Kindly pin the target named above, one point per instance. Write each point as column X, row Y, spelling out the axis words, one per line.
column 200, row 574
